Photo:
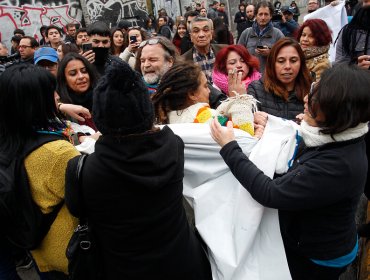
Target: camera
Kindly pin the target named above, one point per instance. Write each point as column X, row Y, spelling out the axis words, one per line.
column 277, row 15
column 10, row 59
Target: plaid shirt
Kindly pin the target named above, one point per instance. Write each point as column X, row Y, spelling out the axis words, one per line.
column 205, row 62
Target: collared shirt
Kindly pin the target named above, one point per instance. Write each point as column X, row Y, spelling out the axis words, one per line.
column 205, row 62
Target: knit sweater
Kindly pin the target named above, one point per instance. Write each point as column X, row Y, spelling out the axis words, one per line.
column 46, row 168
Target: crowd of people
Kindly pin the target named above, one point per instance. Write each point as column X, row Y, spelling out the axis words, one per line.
column 111, row 92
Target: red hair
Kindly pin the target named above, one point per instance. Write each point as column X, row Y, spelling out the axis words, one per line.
column 221, row 58
column 320, row 30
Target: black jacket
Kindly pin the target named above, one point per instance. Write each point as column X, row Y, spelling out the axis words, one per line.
column 273, row 104
column 317, row 198
column 132, row 189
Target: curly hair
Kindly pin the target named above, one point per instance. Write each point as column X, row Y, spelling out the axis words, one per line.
column 173, row 92
column 319, row 29
column 250, row 60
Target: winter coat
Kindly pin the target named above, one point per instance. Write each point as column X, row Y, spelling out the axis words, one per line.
column 132, row 190
column 251, row 40
column 273, row 104
column 317, row 198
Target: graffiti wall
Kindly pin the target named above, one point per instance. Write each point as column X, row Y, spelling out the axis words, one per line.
column 112, row 11
column 31, row 15
column 172, row 7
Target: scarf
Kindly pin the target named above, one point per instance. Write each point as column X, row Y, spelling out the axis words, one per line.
column 262, row 32
column 221, row 80
column 312, row 136
column 152, row 88
column 316, row 51
column 85, row 99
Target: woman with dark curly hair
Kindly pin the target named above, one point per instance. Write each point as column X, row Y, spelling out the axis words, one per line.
column 314, row 37
column 237, row 59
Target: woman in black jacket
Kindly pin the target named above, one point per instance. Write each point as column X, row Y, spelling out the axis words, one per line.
column 285, row 82
column 317, row 198
column 132, row 187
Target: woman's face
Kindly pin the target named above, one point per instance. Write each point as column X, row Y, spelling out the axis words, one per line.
column 235, row 61
column 136, row 33
column 181, row 30
column 201, row 95
column 77, row 77
column 307, row 39
column 60, row 52
column 307, row 116
column 287, row 66
column 118, row 39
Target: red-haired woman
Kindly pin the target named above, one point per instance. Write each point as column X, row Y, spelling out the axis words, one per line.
column 235, row 59
column 314, row 36
column 286, row 81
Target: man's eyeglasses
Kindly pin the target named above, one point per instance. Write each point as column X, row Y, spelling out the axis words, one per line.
column 24, row 47
column 312, row 3
column 156, row 41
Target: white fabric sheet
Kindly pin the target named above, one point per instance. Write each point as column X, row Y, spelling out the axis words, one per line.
column 242, row 236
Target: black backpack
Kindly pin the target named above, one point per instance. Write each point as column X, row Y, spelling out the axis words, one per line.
column 23, row 223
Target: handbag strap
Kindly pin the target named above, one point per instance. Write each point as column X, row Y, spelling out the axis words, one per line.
column 80, row 164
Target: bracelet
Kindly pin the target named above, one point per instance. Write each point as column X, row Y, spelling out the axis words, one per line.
column 58, row 107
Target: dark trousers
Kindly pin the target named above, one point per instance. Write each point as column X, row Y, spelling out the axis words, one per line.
column 302, row 268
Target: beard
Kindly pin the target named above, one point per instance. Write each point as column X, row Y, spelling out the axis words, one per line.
column 154, row 78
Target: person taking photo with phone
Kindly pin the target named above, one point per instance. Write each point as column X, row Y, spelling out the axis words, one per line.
column 134, row 37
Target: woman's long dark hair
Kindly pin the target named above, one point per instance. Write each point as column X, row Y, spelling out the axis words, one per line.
column 350, row 32
column 63, row 90
column 27, row 104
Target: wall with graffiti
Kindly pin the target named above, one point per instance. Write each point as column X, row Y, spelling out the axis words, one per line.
column 31, row 15
column 112, row 11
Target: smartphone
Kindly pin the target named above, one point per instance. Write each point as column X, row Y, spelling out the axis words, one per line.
column 133, row 39
column 260, row 47
column 86, row 47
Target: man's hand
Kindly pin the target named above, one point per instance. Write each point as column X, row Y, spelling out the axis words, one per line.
column 89, row 55
column 363, row 61
column 263, row 52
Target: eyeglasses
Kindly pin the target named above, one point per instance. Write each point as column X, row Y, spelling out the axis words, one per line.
column 24, row 47
column 312, row 89
column 156, row 41
column 312, row 3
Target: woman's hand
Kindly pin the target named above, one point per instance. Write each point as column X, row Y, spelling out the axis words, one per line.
column 222, row 135
column 260, row 121
column 94, row 136
column 77, row 112
column 363, row 61
column 132, row 46
column 234, row 80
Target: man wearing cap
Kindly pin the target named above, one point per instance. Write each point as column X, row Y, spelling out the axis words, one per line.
column 287, row 24
column 47, row 58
